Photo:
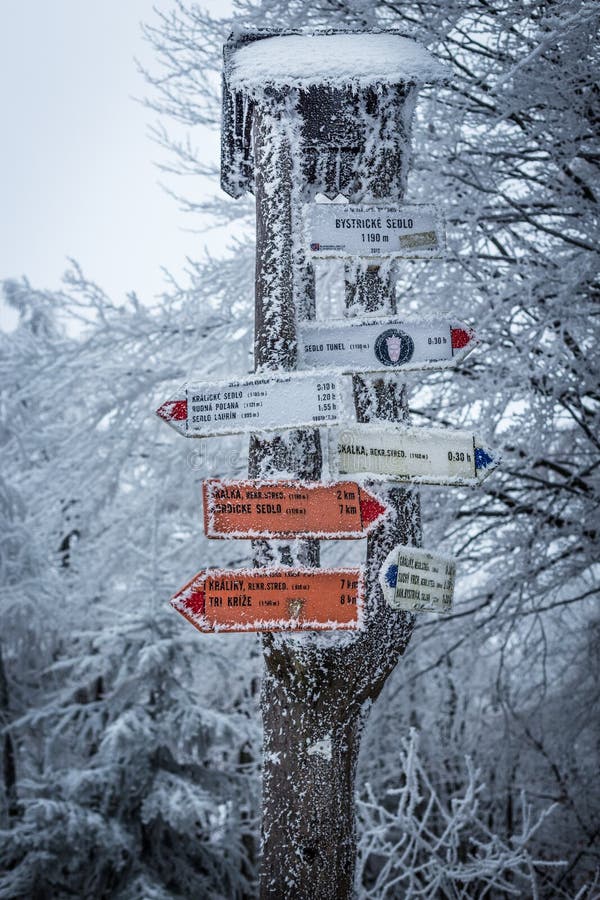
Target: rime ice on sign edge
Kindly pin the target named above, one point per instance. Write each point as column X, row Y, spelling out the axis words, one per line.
column 302, row 60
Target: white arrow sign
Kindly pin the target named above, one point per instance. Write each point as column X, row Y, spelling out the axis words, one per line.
column 348, row 229
column 379, row 345
column 414, row 579
column 253, row 404
column 418, row 455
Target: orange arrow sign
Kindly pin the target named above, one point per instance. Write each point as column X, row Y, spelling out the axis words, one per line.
column 244, row 509
column 272, row 600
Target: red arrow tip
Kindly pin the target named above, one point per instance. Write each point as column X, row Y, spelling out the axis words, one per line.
column 195, row 601
column 370, row 508
column 173, row 410
column 461, row 337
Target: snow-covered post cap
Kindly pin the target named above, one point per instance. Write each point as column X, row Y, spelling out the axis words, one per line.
column 260, row 62
column 335, row 60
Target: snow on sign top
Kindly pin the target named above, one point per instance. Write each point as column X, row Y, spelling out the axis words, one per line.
column 298, row 60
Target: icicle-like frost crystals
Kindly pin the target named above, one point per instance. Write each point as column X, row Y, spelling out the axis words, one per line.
column 428, row 845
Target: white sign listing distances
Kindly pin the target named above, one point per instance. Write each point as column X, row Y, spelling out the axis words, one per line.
column 413, row 579
column 277, row 402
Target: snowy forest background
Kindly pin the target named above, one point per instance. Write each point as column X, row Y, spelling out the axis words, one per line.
column 131, row 745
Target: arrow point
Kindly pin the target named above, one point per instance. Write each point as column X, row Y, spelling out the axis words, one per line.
column 391, row 575
column 461, row 337
column 483, row 459
column 173, row 410
column 194, row 600
column 370, row 508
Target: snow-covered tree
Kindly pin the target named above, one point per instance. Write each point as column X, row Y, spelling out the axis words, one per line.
column 421, row 840
column 130, row 745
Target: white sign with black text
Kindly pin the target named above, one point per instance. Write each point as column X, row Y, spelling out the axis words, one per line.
column 413, row 231
column 417, row 580
column 379, row 345
column 418, row 455
column 253, row 404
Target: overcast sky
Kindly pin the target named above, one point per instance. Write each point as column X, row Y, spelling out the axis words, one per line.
column 78, row 177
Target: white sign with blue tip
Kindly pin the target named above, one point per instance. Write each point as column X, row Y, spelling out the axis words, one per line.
column 417, row 455
column 418, row 580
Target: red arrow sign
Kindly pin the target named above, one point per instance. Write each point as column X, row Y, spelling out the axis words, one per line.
column 245, row 509
column 272, row 600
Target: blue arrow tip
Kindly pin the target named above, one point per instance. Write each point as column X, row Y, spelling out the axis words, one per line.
column 391, row 576
column 482, row 458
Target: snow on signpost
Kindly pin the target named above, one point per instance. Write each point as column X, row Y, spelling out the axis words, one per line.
column 359, row 59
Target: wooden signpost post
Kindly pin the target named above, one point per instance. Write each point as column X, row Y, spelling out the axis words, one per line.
column 312, row 137
column 308, row 114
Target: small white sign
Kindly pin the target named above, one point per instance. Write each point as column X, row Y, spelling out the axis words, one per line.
column 254, row 404
column 420, row 455
column 417, row 580
column 379, row 345
column 348, row 229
